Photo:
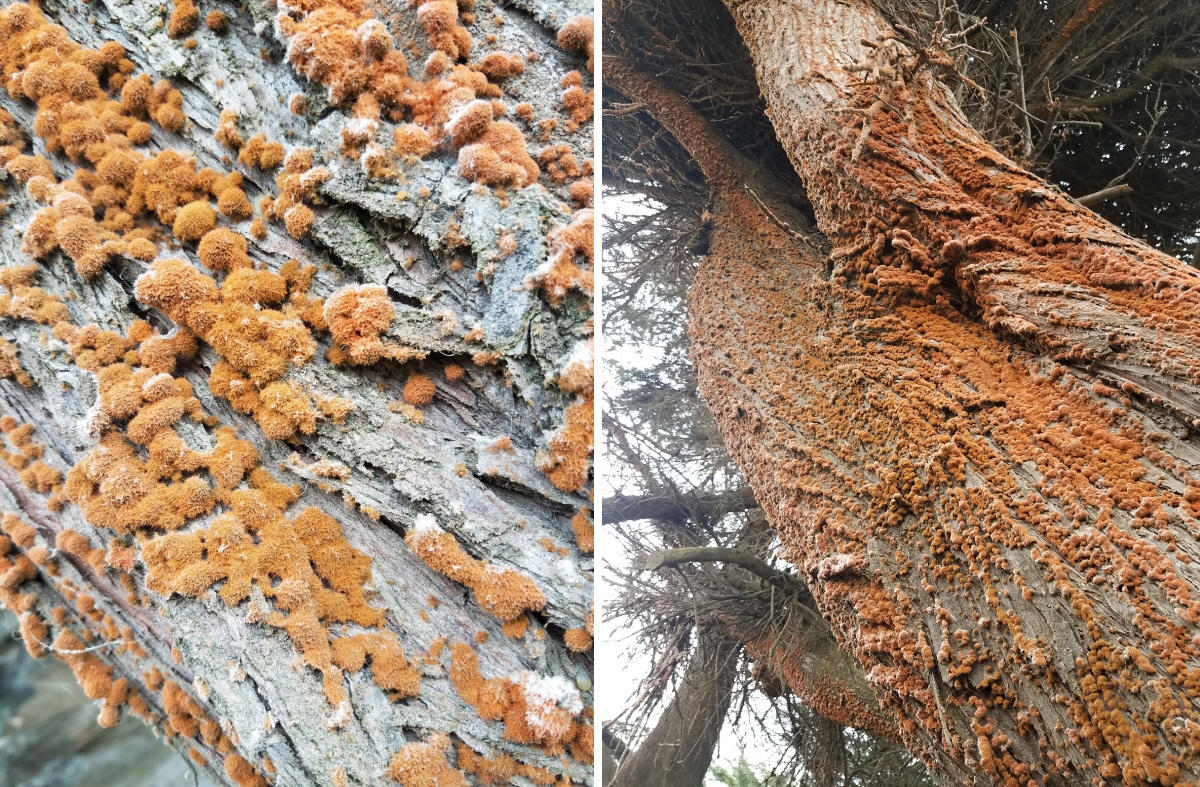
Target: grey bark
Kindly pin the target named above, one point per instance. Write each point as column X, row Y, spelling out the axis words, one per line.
column 251, row 673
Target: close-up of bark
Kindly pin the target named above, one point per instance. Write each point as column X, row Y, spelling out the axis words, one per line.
column 297, row 381
column 965, row 402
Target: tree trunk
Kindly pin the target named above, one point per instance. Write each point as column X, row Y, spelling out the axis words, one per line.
column 973, row 430
column 679, row 749
column 408, row 467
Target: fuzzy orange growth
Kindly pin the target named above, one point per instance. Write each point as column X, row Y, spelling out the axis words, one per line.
column 504, row 593
column 34, row 633
column 424, row 764
column 392, row 671
column 516, row 628
column 577, row 375
column 194, row 220
column 336, row 46
column 284, row 409
column 453, row 372
column 93, row 675
column 579, row 104
column 117, row 490
column 568, row 455
column 242, row 773
column 560, row 274
column 305, row 565
column 584, row 529
column 260, row 153
column 357, row 315
column 418, row 390
column 222, row 249
column 578, row 36
column 33, row 304
column 441, row 23
column 469, row 122
column 233, row 204
column 227, row 132
column 578, row 640
column 183, row 19
column 535, row 708
column 501, row 65
column 258, row 342
column 335, row 408
column 499, row 769
column 498, row 157
column 411, row 140
column 298, row 220
column 10, row 365
column 581, row 192
column 216, row 21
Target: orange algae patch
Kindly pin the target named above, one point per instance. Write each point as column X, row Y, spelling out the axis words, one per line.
column 504, row 593
column 391, row 669
column 357, row 315
column 577, row 36
column 498, row 157
column 419, row 390
column 499, row 769
column 255, row 341
column 535, row 708
column 424, row 765
column 578, row 640
column 183, row 19
column 305, row 565
column 568, row 456
column 584, row 529
column 559, row 274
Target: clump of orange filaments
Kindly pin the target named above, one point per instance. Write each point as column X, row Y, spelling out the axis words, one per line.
column 577, row 35
column 534, row 708
column 423, row 764
column 419, row 390
column 560, row 274
column 504, row 593
column 567, row 457
column 357, row 316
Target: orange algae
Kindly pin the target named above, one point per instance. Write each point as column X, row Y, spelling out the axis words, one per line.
column 183, row 19
column 357, row 315
column 577, row 35
column 504, row 593
column 568, row 452
column 423, row 764
column 559, row 274
column 581, row 523
column 535, row 708
column 419, row 390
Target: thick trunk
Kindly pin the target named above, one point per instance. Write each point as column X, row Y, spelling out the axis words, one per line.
column 679, row 749
column 297, row 635
column 998, row 515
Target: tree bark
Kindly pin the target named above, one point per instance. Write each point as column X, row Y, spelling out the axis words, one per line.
column 679, row 749
column 973, row 430
column 234, row 684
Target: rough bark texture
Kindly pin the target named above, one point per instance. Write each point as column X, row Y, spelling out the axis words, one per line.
column 477, row 461
column 679, row 749
column 802, row 653
column 973, row 430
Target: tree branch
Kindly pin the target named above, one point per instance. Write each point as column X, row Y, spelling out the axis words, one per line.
column 623, row 508
column 666, row 558
column 1088, row 200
